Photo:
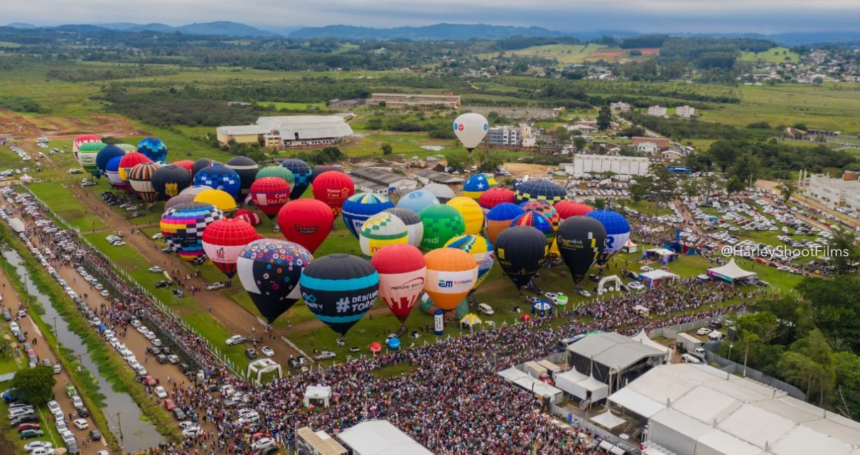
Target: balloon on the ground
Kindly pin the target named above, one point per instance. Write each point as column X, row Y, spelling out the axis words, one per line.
column 520, row 251
column 127, row 147
column 477, row 185
column 540, row 190
column 153, row 147
column 379, row 231
column 472, row 213
column 402, row 271
column 359, row 207
column 201, row 164
column 306, row 222
column 178, row 199
column 221, row 178
column 333, row 188
column 249, row 216
column 112, row 173
column 196, row 189
column 617, row 232
column 500, row 218
column 129, row 161
column 339, row 289
column 81, row 140
column 441, row 223
column 470, row 129
column 443, row 193
column 495, row 196
column 451, row 274
column 270, row 270
column 414, row 225
column 279, row 172
column 567, row 209
column 537, row 221
column 188, row 165
column 140, row 179
column 546, row 209
column 247, row 170
column 182, row 227
column 218, row 198
column 301, row 173
column 87, row 154
column 170, row 180
column 581, row 241
column 106, row 154
column 481, row 250
column 269, row 194
column 224, row 239
column 429, row 307
column 417, row 200
column 323, row 168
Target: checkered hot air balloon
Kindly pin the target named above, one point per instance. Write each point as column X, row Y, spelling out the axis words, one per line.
column 540, row 190
column 182, row 226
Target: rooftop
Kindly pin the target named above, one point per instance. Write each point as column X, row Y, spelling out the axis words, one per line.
column 380, row 437
column 613, row 350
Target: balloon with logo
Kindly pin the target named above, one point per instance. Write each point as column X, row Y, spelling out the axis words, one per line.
column 567, row 209
column 127, row 163
column 249, row 216
column 451, row 274
column 481, row 250
column 471, row 128
column 500, row 218
column 473, row 216
column 379, row 231
column 540, row 190
column 441, row 223
column 581, row 241
column 106, row 154
column 546, row 209
column 277, row 171
column 221, row 178
column 182, row 227
column 402, row 272
column 306, row 222
column 246, row 169
column 201, row 164
column 417, row 200
column 339, row 289
column 219, row 199
column 477, row 185
column 414, row 225
column 81, row 140
column 537, row 221
column 224, row 239
column 169, row 180
column 617, row 232
column 153, row 147
column 269, row 194
column 359, row 207
column 301, row 173
column 443, row 193
column 495, row 196
column 270, row 270
column 520, row 251
column 333, row 188
column 87, row 154
column 112, row 172
column 140, row 179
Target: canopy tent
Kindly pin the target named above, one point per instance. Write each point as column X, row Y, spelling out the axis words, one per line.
column 660, row 254
column 630, row 247
column 317, row 392
column 643, row 338
column 642, row 310
column 532, row 384
column 611, row 448
column 17, row 225
column 608, row 420
column 470, row 320
column 655, row 276
column 730, row 272
column 597, row 389
column 635, row 402
column 26, row 179
column 567, row 381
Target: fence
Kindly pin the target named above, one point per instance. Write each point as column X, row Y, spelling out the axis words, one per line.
column 733, row 367
column 595, row 430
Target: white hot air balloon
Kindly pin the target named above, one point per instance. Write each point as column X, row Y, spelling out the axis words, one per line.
column 471, row 129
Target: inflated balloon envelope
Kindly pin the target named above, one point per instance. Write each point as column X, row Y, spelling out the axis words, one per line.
column 581, row 240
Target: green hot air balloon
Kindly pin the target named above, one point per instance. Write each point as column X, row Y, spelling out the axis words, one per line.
column 277, row 171
column 520, row 250
column 441, row 223
column 581, row 241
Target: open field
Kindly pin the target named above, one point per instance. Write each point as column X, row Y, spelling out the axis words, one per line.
column 775, row 55
column 570, row 53
column 292, row 106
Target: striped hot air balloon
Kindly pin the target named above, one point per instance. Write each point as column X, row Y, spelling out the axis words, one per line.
column 359, row 207
column 182, row 226
column 140, row 179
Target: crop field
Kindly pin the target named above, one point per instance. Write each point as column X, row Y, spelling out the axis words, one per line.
column 570, row 53
column 775, row 55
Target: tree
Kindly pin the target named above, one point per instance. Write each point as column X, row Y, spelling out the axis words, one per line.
column 638, row 191
column 723, row 153
column 746, row 168
column 735, row 185
column 764, row 325
column 809, row 364
column 36, row 384
column 604, row 118
column 835, row 307
column 691, row 187
column 786, row 189
column 843, row 253
column 579, row 143
column 847, row 398
column 599, row 204
column 386, row 149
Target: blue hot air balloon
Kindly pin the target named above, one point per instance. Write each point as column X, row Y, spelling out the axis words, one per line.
column 219, row 178
column 417, row 200
column 540, row 190
column 339, row 289
column 153, row 148
column 617, row 232
column 105, row 155
column 500, row 218
column 112, row 172
column 359, row 207
column 302, row 174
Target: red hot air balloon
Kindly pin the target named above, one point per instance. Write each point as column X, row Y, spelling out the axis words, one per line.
column 495, row 196
column 249, row 216
column 402, row 271
column 567, row 209
column 333, row 188
column 270, row 194
column 185, row 164
column 223, row 241
column 306, row 222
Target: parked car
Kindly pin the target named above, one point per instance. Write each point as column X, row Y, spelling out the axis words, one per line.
column 324, row 355
column 251, row 353
column 160, row 392
column 267, row 351
column 235, row 339
column 28, row 434
column 81, row 424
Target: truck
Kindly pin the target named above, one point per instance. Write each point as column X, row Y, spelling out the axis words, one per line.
column 688, row 343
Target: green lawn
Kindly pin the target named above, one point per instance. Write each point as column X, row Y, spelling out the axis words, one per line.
column 775, row 55
column 11, row 434
column 63, row 204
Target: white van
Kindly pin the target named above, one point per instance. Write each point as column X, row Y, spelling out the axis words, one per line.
column 687, row 358
column 485, row 309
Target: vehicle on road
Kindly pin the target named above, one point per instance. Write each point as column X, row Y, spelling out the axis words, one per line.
column 324, row 355
column 267, row 351
column 235, row 339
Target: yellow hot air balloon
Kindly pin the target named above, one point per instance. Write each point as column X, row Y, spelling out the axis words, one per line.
column 472, row 213
column 221, row 199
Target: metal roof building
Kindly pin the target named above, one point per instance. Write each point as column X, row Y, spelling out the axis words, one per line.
column 381, row 179
column 380, row 437
column 602, row 353
column 291, row 130
column 430, row 176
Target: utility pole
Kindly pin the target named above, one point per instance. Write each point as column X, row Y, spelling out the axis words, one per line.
column 119, row 423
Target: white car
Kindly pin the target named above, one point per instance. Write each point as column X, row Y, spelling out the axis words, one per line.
column 267, row 351
column 38, row 445
column 235, row 339
column 191, row 432
column 584, row 293
column 214, row 286
column 703, row 331
column 53, row 406
column 263, row 443
column 77, row 402
column 150, row 336
column 635, row 285
column 156, row 237
column 646, row 269
column 118, row 244
column 81, row 424
column 135, row 323
column 61, row 426
column 142, row 329
column 67, row 436
column 187, row 424
column 156, row 269
column 104, row 293
column 133, row 363
column 160, row 392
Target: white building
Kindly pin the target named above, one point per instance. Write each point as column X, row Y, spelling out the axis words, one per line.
column 657, row 111
column 619, row 107
column 685, row 111
column 290, row 131
column 621, row 165
column 647, row 148
column 505, row 135
column 373, row 180
column 834, row 192
column 380, row 437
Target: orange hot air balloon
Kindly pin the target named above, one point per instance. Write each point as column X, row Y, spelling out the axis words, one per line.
column 451, row 273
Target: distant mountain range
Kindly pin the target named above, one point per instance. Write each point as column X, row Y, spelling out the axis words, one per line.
column 222, row 28
column 430, row 32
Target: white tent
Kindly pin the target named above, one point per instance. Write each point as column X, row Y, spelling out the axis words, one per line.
column 608, row 420
column 567, row 381
column 730, row 272
column 643, row 338
column 598, row 389
column 630, row 247
column 317, row 392
column 656, row 275
column 662, row 252
column 17, row 225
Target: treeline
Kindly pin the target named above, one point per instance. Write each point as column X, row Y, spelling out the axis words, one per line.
column 645, row 41
column 709, row 53
column 180, row 107
column 21, row 104
column 686, row 129
column 521, row 42
column 771, row 157
column 102, row 74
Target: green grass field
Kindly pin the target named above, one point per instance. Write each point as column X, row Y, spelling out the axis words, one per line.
column 75, row 213
column 775, row 55
column 566, row 53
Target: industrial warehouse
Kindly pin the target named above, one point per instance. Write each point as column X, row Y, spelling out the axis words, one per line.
column 290, row 131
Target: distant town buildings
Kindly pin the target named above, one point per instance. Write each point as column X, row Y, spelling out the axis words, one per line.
column 505, row 135
column 374, row 180
column 621, row 165
column 290, row 131
column 657, row 111
column 648, row 148
column 619, row 107
column 401, row 100
column 661, row 142
column 835, row 192
column 685, row 111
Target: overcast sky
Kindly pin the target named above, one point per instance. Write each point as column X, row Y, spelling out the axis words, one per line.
column 695, row 16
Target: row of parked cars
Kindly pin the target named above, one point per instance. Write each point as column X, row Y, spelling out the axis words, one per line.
column 24, row 418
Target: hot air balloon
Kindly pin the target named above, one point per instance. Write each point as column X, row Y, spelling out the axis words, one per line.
column 277, row 171
column 546, row 209
column 248, row 216
column 87, row 154
column 494, row 197
column 81, row 140
column 537, row 221
column 481, row 250
column 129, row 161
column 333, row 188
column 441, row 223
column 188, row 165
column 359, row 207
column 427, row 306
column 379, row 231
column 219, row 177
column 473, row 216
column 567, row 209
column 306, row 222
column 194, row 190
column 218, row 198
column 169, row 180
column 182, row 227
column 201, row 164
column 270, row 270
column 302, row 175
column 443, row 193
column 319, row 170
column 477, row 185
column 247, row 170
column 540, row 190
column 470, row 129
column 339, row 289
column 106, row 154
column 224, row 239
column 451, row 274
column 140, row 179
column 520, row 251
column 270, row 194
column 401, row 271
column 414, row 225
column 112, row 172
column 500, row 218
column 417, row 201
column 153, row 148
column 581, row 241
column 617, row 232
column 127, row 147
column 178, row 199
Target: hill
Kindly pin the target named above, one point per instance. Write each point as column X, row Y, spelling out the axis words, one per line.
column 20, row 25
column 430, row 32
column 222, row 28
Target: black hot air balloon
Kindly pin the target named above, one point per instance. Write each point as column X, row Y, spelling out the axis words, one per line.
column 520, row 250
column 270, row 271
column 339, row 289
column 201, row 164
column 324, row 168
column 247, row 170
column 169, row 180
column 581, row 241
